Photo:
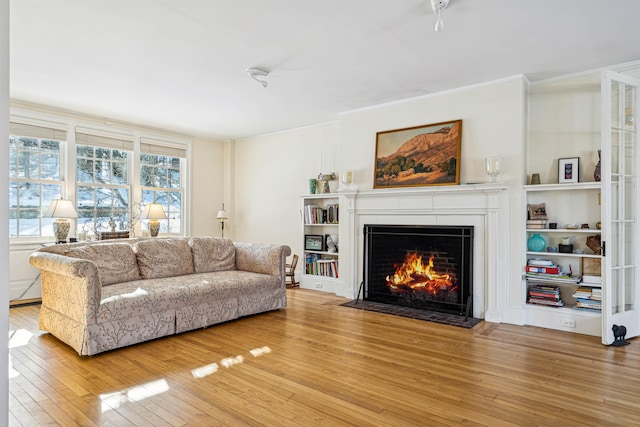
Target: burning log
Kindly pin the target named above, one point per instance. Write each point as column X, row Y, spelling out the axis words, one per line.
column 422, row 281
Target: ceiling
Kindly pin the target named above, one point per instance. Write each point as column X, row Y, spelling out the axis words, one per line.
column 180, row 64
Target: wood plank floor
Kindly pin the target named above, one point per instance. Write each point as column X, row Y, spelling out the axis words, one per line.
column 316, row 363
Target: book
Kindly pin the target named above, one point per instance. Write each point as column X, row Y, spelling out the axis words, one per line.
column 591, row 278
column 541, row 262
column 536, row 221
column 588, row 303
column 582, row 292
column 545, row 270
column 551, row 278
column 558, row 303
column 535, row 226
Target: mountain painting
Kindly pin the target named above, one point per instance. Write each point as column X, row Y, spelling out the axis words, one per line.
column 417, row 156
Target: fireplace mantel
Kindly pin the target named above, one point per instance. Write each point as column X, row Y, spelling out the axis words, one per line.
column 484, row 206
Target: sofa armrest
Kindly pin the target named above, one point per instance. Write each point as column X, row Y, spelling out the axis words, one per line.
column 262, row 258
column 69, row 285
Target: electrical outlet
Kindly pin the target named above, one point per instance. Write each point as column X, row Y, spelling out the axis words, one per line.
column 568, row 323
column 318, row 285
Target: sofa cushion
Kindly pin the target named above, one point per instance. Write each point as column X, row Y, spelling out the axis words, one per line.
column 212, row 254
column 163, row 258
column 116, row 262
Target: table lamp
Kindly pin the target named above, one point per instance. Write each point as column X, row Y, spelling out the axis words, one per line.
column 153, row 212
column 61, row 209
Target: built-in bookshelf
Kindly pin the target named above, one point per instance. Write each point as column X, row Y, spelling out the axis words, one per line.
column 568, row 215
column 321, row 246
column 589, row 185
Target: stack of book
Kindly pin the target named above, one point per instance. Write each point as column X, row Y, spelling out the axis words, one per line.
column 321, row 267
column 315, row 215
column 545, row 295
column 592, row 280
column 589, row 298
column 536, row 223
column 545, row 270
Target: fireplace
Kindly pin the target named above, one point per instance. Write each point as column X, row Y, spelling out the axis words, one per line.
column 420, row 266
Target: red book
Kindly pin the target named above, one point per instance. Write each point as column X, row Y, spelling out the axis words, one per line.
column 544, row 270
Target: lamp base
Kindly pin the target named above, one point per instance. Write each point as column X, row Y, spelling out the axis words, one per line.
column 154, row 227
column 61, row 227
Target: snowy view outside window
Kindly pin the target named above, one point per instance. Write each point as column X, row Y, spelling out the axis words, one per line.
column 102, row 188
column 34, row 180
column 160, row 178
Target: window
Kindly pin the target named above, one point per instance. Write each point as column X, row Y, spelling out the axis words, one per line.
column 98, row 171
column 161, row 182
column 103, row 187
column 35, row 178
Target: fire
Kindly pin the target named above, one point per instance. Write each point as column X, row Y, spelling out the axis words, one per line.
column 414, row 275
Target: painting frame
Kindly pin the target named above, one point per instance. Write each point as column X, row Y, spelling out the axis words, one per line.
column 569, row 170
column 418, row 156
column 313, row 242
column 537, row 211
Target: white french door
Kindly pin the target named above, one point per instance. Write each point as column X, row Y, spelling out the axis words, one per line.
column 620, row 204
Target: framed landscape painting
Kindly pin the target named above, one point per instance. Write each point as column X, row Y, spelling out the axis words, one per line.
column 418, row 156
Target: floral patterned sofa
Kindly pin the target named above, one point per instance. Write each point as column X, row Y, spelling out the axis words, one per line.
column 98, row 296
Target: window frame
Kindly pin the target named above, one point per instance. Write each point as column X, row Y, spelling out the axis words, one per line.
column 40, row 133
column 115, row 212
column 136, row 136
column 165, row 224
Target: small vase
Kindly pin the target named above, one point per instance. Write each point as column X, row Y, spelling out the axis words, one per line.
column 596, row 172
column 536, row 243
column 313, row 186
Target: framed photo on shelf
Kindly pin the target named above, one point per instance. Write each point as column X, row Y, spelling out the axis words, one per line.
column 313, row 242
column 568, row 170
column 537, row 211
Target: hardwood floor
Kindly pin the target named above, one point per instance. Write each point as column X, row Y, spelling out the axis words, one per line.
column 316, row 363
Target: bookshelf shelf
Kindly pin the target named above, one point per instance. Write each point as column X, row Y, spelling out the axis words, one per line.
column 564, row 230
column 560, row 254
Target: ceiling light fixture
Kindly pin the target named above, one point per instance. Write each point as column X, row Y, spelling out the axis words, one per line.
column 255, row 73
column 438, row 6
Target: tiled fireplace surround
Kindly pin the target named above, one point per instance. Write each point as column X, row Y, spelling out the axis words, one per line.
column 484, row 206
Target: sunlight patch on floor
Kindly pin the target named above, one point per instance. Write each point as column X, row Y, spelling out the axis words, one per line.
column 134, row 394
column 205, row 370
column 19, row 337
column 257, row 352
column 227, row 362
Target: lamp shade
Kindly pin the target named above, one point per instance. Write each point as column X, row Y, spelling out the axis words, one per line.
column 60, row 208
column 153, row 211
column 222, row 214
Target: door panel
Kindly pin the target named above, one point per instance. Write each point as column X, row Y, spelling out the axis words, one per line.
column 621, row 304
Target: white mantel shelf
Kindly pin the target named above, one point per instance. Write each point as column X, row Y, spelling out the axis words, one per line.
column 484, row 206
column 438, row 189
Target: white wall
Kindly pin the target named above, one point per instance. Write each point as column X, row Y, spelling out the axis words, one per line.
column 4, row 214
column 207, row 175
column 564, row 121
column 270, row 174
column 271, row 171
column 492, row 124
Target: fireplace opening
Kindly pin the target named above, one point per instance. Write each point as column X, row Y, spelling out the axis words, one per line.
column 427, row 267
